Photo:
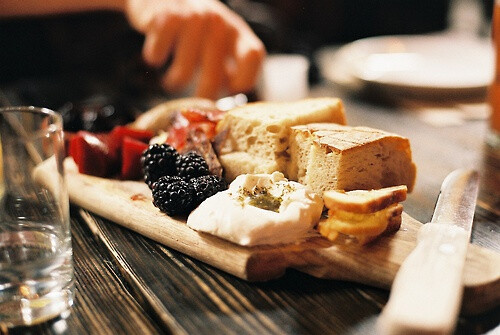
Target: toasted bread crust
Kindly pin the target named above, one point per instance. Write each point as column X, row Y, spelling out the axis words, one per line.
column 329, row 156
column 363, row 201
column 306, row 141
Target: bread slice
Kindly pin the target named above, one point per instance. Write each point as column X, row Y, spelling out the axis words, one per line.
column 257, row 134
column 362, row 214
column 363, row 227
column 363, row 201
column 327, row 156
column 238, row 163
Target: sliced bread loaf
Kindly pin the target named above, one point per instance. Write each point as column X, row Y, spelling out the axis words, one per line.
column 332, row 156
column 254, row 138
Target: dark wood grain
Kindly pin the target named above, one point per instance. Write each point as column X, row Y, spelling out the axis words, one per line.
column 102, row 296
column 191, row 296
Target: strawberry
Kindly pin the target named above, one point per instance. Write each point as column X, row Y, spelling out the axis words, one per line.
column 92, row 154
column 119, row 132
column 131, row 152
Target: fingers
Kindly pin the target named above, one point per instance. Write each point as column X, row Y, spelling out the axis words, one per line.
column 215, row 49
column 205, row 38
column 187, row 55
column 160, row 39
column 233, row 57
column 249, row 53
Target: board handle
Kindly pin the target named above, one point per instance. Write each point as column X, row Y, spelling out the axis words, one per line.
column 427, row 291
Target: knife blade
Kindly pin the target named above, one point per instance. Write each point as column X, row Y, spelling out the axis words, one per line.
column 427, row 291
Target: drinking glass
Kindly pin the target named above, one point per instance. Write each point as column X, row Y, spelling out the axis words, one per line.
column 36, row 270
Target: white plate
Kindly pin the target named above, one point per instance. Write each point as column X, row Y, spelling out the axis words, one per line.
column 414, row 64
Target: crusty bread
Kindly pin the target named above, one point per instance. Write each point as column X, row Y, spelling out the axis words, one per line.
column 364, row 227
column 393, row 225
column 364, row 201
column 238, row 163
column 394, row 221
column 362, row 214
column 254, row 137
column 331, row 157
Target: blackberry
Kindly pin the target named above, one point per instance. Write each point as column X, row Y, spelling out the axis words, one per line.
column 173, row 195
column 169, row 179
column 206, row 186
column 191, row 165
column 158, row 160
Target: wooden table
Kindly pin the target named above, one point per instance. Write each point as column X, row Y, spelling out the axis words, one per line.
column 128, row 284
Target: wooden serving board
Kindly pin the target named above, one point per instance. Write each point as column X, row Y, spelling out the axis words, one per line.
column 129, row 204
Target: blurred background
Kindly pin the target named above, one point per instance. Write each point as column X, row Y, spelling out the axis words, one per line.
column 103, row 46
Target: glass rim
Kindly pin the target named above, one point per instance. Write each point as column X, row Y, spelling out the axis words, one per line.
column 56, row 120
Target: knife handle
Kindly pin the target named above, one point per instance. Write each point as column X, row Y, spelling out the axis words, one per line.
column 427, row 291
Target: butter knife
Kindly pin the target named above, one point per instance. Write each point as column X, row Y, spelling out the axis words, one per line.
column 427, row 292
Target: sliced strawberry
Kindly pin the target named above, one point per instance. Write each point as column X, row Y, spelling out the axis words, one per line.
column 100, row 154
column 119, row 132
column 91, row 154
column 131, row 152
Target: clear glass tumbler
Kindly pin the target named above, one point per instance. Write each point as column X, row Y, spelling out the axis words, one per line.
column 36, row 269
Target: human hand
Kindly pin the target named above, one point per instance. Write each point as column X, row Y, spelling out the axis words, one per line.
column 201, row 35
